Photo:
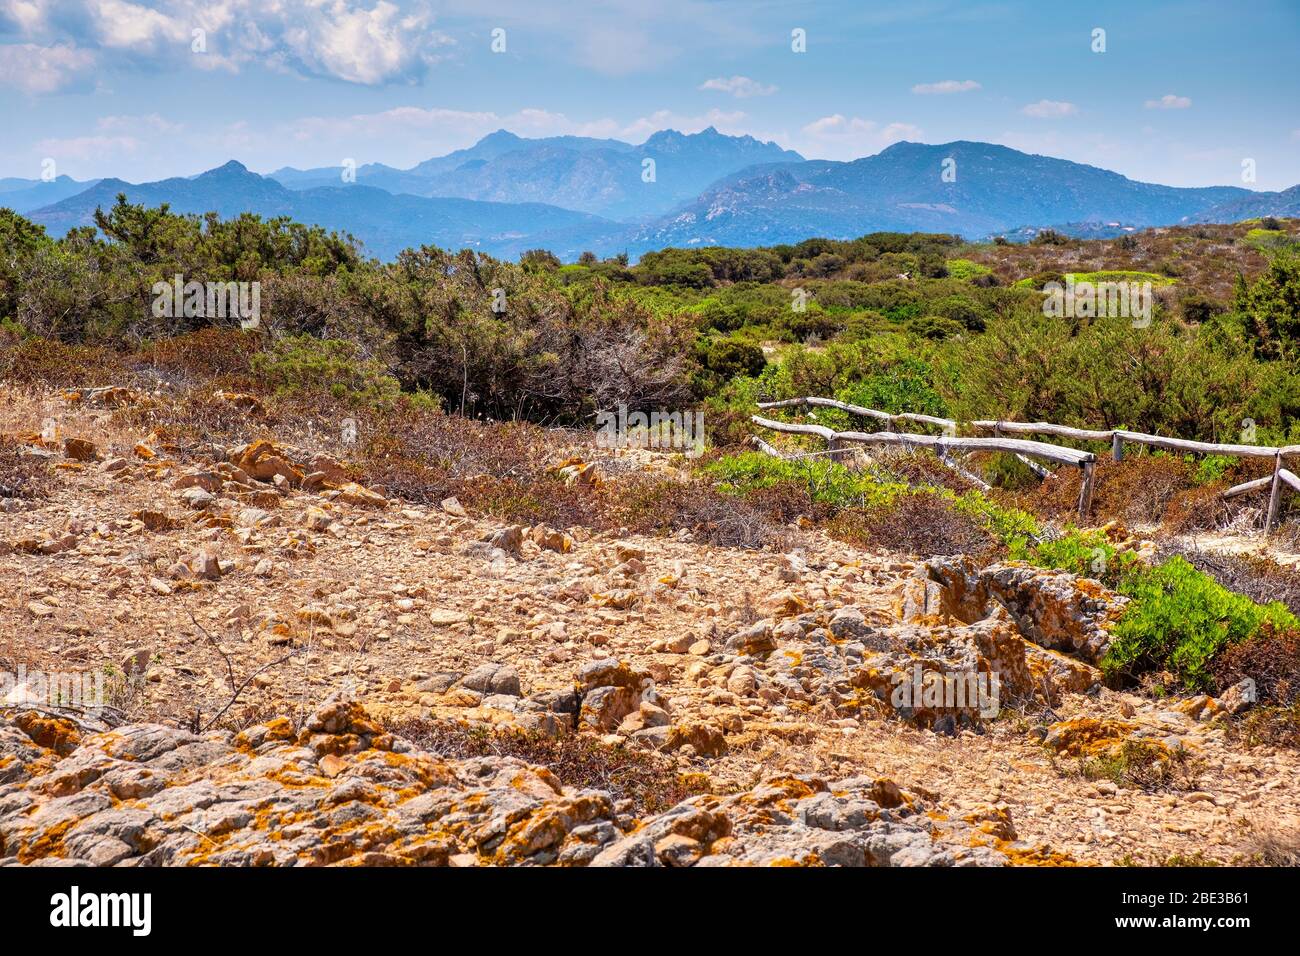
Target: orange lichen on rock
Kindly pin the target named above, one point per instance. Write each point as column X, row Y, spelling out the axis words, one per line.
column 53, row 733
column 1087, row 736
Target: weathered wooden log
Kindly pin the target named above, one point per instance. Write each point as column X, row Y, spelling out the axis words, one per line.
column 976, row 480
column 1257, row 485
column 864, row 412
column 1055, row 453
column 765, row 448
column 1035, row 467
column 819, row 430
column 1043, row 428
column 1024, row 449
column 1198, row 447
column 1085, row 489
column 1274, row 495
column 1042, row 472
column 1119, row 436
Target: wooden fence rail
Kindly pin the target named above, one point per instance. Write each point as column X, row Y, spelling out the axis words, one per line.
column 942, row 444
column 1026, row 450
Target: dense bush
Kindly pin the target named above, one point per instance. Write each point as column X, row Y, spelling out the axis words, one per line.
column 1180, row 620
column 300, row 363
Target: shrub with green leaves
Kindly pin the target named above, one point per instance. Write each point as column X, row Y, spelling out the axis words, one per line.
column 301, row 363
column 826, row 482
column 1180, row 620
column 832, row 484
column 1088, row 553
column 967, row 269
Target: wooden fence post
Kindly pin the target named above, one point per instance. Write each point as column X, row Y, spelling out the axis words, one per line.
column 1117, row 447
column 1274, row 495
column 1085, row 490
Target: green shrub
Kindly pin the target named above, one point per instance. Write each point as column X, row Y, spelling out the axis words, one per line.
column 725, row 358
column 826, row 482
column 1011, row 526
column 1143, row 765
column 876, row 500
column 300, row 363
column 1088, row 553
column 966, row 269
column 1180, row 620
column 934, row 327
column 1213, row 468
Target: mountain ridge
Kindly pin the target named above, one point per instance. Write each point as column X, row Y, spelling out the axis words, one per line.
column 542, row 194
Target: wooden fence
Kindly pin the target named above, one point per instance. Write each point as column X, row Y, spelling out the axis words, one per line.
column 1027, row 450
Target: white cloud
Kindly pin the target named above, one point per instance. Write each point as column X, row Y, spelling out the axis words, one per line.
column 841, row 137
column 367, row 42
column 1169, row 102
column 370, row 47
column 150, row 124
column 1050, row 109
column 618, row 37
column 26, row 15
column 741, row 87
column 44, row 69
column 129, row 26
column 946, row 86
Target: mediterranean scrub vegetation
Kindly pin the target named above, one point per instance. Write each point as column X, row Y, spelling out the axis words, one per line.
column 462, row 357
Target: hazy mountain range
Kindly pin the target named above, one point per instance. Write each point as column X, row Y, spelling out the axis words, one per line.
column 22, row 195
column 568, row 194
column 600, row 176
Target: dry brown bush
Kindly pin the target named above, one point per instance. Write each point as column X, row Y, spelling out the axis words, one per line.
column 23, row 476
column 650, row 781
column 921, row 524
column 1274, row 842
column 1207, row 257
column 923, row 468
column 1271, row 658
column 216, row 355
column 1141, row 490
column 1257, row 577
column 645, row 505
column 47, row 363
column 1276, row 726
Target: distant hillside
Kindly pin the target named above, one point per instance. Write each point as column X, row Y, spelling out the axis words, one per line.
column 995, row 188
column 1285, row 204
column 603, row 177
column 23, row 195
column 384, row 222
column 507, row 194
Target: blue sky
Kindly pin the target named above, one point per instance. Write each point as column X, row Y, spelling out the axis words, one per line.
column 1184, row 92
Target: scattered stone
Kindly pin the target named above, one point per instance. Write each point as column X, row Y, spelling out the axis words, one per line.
column 205, row 565
column 493, row 679
column 198, row 499
column 510, row 540
column 80, row 449
column 441, row 617
column 156, row 520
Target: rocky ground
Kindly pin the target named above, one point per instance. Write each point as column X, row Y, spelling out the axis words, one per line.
column 265, row 623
